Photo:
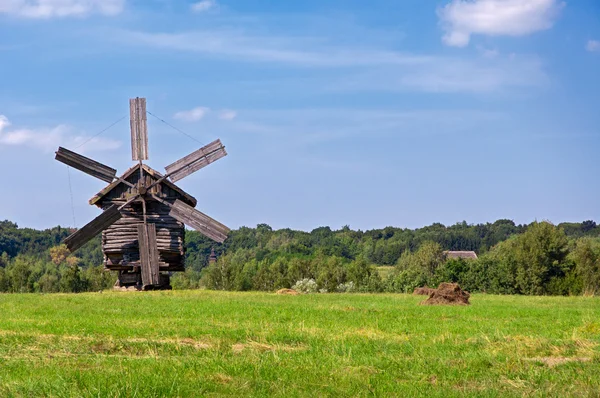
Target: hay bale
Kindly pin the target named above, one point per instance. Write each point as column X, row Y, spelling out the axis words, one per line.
column 289, row 292
column 423, row 291
column 448, row 294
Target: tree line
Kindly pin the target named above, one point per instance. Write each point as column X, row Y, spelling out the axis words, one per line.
column 539, row 258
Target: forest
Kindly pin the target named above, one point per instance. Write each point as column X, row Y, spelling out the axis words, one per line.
column 535, row 259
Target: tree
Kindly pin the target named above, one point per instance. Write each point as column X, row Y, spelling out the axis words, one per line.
column 49, row 283
column 20, row 270
column 331, row 274
column 536, row 258
column 4, row 281
column 58, row 254
column 586, row 256
column 4, row 260
column 71, row 281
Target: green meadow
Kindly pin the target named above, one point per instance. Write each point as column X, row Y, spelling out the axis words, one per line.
column 207, row 343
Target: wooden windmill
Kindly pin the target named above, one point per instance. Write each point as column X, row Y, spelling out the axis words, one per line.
column 144, row 212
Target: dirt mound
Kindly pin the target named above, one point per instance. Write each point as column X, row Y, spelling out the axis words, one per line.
column 423, row 291
column 448, row 293
column 289, row 292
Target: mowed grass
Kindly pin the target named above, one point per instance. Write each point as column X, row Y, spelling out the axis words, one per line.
column 204, row 343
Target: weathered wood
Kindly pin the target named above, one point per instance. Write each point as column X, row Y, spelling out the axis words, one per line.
column 127, row 240
column 123, row 188
column 132, row 230
column 93, row 228
column 86, row 165
column 199, row 221
column 161, row 264
column 160, row 223
column 196, row 160
column 130, row 268
column 165, row 245
column 126, row 278
column 148, row 254
column 124, row 237
column 152, row 244
column 133, row 248
column 139, row 129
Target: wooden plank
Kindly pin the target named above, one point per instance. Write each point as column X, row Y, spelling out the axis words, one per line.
column 128, row 278
column 153, row 250
column 139, row 129
column 148, row 254
column 186, row 209
column 196, row 160
column 87, row 165
column 201, row 163
column 199, row 221
column 144, row 253
column 205, row 150
column 93, row 228
column 166, row 268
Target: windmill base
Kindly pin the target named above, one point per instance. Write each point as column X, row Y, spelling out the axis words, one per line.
column 132, row 281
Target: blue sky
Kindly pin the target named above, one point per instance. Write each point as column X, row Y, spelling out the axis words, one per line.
column 333, row 112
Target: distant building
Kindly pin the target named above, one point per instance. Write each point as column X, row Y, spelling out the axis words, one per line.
column 467, row 255
column 213, row 257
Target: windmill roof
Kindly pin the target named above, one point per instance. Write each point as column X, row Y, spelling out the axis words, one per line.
column 186, row 197
column 461, row 254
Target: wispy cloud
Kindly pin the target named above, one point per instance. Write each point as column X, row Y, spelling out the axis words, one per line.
column 243, row 45
column 44, row 9
column 593, row 46
column 227, row 114
column 461, row 18
column 370, row 66
column 313, row 126
column 193, row 115
column 203, row 5
column 48, row 139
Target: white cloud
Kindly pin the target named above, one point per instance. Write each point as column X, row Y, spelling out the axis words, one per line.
column 227, row 114
column 241, row 45
column 43, row 9
column 463, row 18
column 193, row 115
column 203, row 5
column 486, row 76
column 593, row 45
column 488, row 52
column 49, row 139
column 372, row 65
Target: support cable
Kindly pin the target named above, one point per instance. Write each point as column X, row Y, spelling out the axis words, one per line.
column 102, row 131
column 173, row 127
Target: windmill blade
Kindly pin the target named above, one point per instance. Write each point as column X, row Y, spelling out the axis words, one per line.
column 93, row 228
column 196, row 160
column 199, row 221
column 139, row 129
column 86, row 165
column 148, row 253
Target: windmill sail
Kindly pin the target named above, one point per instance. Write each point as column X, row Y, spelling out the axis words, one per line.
column 86, row 165
column 148, row 253
column 196, row 160
column 93, row 228
column 139, row 129
column 199, row 221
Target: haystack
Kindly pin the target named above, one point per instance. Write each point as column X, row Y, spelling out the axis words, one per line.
column 289, row 292
column 423, row 291
column 448, row 293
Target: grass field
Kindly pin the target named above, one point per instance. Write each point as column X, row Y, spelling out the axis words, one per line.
column 203, row 343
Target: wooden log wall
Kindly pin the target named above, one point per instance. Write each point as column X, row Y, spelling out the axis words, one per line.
column 120, row 241
column 123, row 191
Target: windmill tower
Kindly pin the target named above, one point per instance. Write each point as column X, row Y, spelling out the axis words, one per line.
column 144, row 212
